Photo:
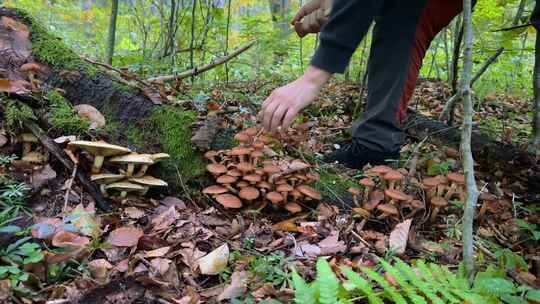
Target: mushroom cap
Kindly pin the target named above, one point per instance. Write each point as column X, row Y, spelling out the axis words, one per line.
column 252, row 131
column 354, row 191
column 367, row 182
column 259, row 171
column 257, row 144
column 241, row 137
column 393, row 175
column 301, row 177
column 293, row 207
column 456, row 178
column 234, row 172
column 90, row 113
column 442, row 179
column 417, row 204
column 98, row 148
column 242, row 184
column 314, row 176
column 257, row 154
column 238, row 151
column 132, row 158
column 215, row 189
column 27, row 137
column 296, row 194
column 271, row 169
column 431, row 182
column 388, row 208
column 28, row 67
column 264, row 185
column 216, row 168
column 396, row 195
column 125, row 186
column 210, row 154
column 229, row 201
column 249, row 193
column 376, row 195
column 226, row 179
column 244, row 167
column 309, row 192
column 438, row 201
column 274, row 197
column 33, row 157
column 380, row 169
column 253, row 178
column 148, row 180
column 265, row 139
column 284, row 188
column 105, row 178
column 156, row 157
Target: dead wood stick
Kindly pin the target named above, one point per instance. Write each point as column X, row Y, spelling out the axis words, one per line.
column 124, row 74
column 198, row 70
column 51, row 146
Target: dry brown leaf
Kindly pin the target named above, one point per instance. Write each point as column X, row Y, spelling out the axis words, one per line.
column 14, row 86
column 286, row 225
column 332, row 245
column 125, row 236
column 157, row 253
column 99, row 269
column 399, row 236
column 237, row 287
column 160, row 265
column 68, row 239
column 305, row 250
column 165, row 219
column 134, row 213
column 43, row 176
column 214, row 262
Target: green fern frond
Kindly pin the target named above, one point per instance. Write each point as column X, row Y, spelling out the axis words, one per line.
column 418, row 282
column 388, row 289
column 328, row 283
column 362, row 284
column 409, row 290
column 435, row 284
column 303, row 293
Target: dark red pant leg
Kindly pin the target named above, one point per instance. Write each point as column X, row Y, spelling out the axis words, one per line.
column 436, row 15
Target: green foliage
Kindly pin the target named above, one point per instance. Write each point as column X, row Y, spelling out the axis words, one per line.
column 49, row 49
column 16, row 256
column 530, row 228
column 271, row 268
column 63, row 117
column 12, row 194
column 332, row 186
column 442, row 167
column 8, row 216
column 15, row 113
column 428, row 283
column 6, row 160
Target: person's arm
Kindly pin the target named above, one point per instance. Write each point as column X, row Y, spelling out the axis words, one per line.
column 348, row 24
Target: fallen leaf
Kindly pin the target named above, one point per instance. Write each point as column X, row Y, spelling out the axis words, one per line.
column 125, row 236
column 157, row 253
column 43, row 176
column 14, row 86
column 170, row 201
column 286, row 225
column 122, row 266
column 165, row 219
column 214, row 262
column 65, row 139
column 3, row 140
column 332, row 245
column 237, row 287
column 99, row 269
column 134, row 213
column 160, row 265
column 68, row 239
column 399, row 236
column 305, row 249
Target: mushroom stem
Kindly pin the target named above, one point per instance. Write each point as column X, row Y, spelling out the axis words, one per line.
column 354, row 199
column 482, row 211
column 142, row 171
column 145, row 190
column 434, row 214
column 27, row 147
column 365, row 197
column 103, row 191
column 123, row 194
column 451, row 191
column 391, row 184
column 392, row 201
column 130, row 168
column 98, row 162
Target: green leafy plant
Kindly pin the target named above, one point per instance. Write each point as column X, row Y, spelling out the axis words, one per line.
column 8, row 216
column 442, row 167
column 16, row 256
column 6, row 160
column 12, row 194
column 427, row 283
column 529, row 228
column 271, row 268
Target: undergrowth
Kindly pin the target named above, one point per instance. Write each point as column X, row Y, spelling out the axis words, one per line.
column 63, row 117
column 16, row 113
column 426, row 283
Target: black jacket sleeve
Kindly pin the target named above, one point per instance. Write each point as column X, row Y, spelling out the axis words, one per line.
column 346, row 27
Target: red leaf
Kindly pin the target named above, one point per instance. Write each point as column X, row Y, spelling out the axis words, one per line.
column 125, row 236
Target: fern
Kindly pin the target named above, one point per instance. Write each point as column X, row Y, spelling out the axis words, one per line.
column 429, row 283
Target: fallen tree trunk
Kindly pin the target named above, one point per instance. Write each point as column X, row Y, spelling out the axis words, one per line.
column 134, row 116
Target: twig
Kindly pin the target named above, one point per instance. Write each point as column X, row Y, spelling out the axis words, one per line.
column 69, row 185
column 124, row 74
column 414, row 159
column 50, row 145
column 198, row 70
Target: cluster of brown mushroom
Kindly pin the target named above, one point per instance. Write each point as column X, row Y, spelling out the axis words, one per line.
column 391, row 198
column 245, row 174
column 127, row 179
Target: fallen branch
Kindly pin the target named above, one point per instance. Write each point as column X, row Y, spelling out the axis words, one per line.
column 198, row 70
column 124, row 74
column 51, row 146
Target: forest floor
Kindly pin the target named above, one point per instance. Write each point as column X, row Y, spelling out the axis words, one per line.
column 156, row 248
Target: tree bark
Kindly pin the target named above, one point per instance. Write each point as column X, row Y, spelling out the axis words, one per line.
column 466, row 152
column 458, row 32
column 112, row 33
column 534, row 146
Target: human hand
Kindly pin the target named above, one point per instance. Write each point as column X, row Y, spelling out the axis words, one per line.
column 284, row 103
column 316, row 14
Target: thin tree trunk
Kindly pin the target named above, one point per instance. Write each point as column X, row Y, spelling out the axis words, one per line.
column 534, row 146
column 192, row 42
column 112, row 33
column 227, row 39
column 458, row 31
column 446, row 54
column 466, row 152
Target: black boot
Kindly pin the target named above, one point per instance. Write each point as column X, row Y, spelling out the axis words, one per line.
column 355, row 156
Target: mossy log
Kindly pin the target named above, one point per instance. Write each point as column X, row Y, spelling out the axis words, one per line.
column 133, row 118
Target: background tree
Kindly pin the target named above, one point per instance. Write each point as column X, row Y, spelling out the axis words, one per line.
column 112, row 33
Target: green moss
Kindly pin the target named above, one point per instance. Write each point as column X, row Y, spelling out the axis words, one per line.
column 333, row 186
column 62, row 116
column 15, row 113
column 49, row 49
